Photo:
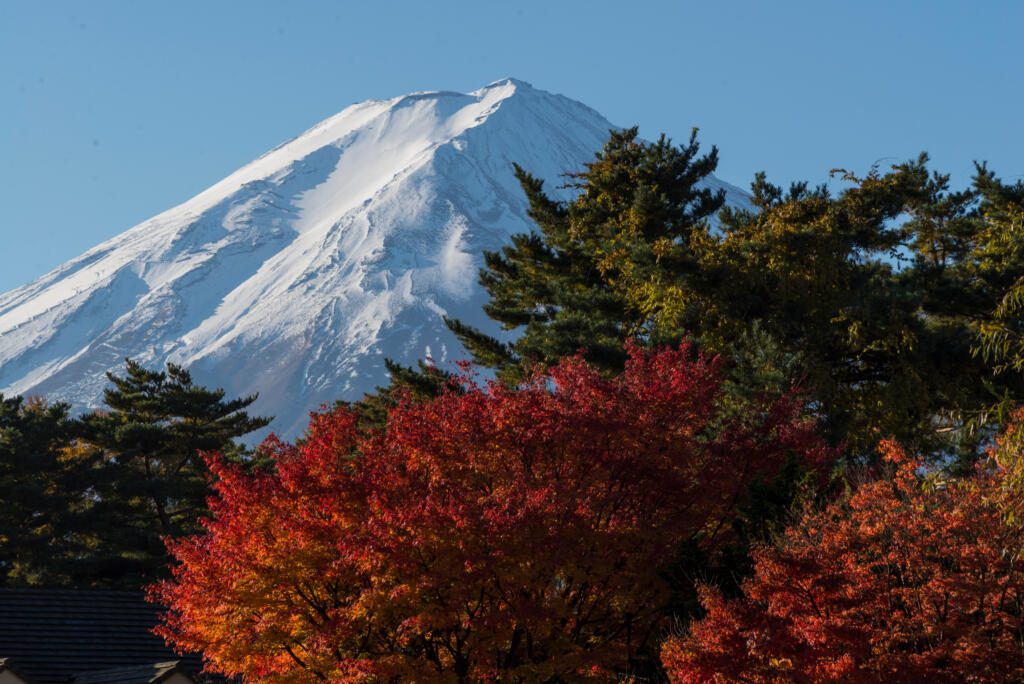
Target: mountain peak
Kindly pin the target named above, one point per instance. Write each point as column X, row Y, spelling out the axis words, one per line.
column 509, row 81
column 297, row 275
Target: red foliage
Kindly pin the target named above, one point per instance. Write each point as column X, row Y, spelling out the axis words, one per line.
column 905, row 580
column 495, row 533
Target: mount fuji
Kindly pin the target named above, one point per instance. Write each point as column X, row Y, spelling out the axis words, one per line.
column 297, row 275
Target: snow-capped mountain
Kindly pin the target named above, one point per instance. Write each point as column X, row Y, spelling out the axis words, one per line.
column 296, row 276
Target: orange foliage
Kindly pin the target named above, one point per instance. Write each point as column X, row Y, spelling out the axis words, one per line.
column 905, row 580
column 488, row 534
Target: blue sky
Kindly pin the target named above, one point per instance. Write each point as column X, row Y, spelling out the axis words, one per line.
column 111, row 112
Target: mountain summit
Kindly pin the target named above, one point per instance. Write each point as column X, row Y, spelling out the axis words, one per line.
column 297, row 275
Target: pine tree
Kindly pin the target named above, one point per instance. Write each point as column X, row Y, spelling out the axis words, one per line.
column 153, row 483
column 42, row 493
column 869, row 299
column 567, row 286
column 865, row 286
column 999, row 263
column 417, row 384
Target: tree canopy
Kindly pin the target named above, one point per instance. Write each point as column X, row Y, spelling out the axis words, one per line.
column 905, row 579
column 41, row 492
column 871, row 298
column 89, row 500
column 492, row 533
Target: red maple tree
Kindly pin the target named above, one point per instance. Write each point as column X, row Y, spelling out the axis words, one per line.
column 908, row 579
column 493, row 533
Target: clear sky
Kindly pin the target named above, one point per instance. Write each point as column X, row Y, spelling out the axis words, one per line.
column 111, row 112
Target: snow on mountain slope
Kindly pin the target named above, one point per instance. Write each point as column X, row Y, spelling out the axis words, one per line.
column 296, row 276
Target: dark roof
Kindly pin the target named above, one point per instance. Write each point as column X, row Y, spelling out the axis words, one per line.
column 140, row 674
column 55, row 635
column 7, row 665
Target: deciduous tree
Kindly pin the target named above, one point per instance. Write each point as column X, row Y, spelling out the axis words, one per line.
column 908, row 578
column 496, row 533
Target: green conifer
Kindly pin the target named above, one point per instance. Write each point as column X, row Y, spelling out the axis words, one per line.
column 569, row 285
column 42, row 493
column 152, row 483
